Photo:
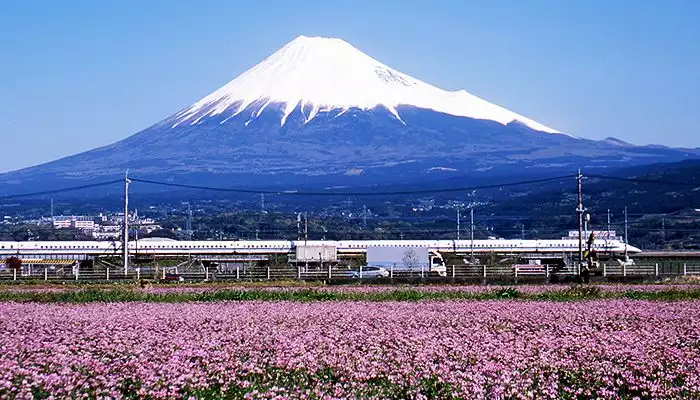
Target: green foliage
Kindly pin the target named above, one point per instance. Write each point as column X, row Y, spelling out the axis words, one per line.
column 124, row 293
column 13, row 263
column 506, row 293
column 665, row 295
column 26, row 232
column 576, row 292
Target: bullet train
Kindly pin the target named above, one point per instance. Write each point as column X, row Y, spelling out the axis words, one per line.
column 158, row 246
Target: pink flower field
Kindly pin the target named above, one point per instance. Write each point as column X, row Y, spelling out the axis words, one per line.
column 326, row 350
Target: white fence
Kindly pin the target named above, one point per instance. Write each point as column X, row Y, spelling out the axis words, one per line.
column 331, row 273
column 689, row 269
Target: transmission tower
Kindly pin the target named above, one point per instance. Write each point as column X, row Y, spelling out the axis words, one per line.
column 663, row 229
column 458, row 227
column 188, row 222
column 364, row 218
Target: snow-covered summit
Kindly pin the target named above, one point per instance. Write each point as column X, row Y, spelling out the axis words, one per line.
column 328, row 74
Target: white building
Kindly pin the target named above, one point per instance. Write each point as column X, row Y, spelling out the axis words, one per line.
column 78, row 222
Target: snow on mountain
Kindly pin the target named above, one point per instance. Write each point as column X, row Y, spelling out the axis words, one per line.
column 330, row 75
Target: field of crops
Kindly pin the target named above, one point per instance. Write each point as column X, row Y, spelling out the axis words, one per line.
column 443, row 349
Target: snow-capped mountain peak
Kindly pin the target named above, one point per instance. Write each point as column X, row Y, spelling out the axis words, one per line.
column 328, row 74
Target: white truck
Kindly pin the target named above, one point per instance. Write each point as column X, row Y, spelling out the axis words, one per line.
column 403, row 259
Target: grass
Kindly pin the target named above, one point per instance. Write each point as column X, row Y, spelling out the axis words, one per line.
column 122, row 294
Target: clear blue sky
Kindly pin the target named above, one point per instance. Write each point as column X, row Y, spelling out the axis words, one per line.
column 75, row 75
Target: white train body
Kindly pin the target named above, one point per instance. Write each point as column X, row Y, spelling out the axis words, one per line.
column 165, row 247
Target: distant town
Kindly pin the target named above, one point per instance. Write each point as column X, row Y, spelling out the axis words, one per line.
column 107, row 226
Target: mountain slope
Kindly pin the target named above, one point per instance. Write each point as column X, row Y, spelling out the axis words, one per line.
column 320, row 112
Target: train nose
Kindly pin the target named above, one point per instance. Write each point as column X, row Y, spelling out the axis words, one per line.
column 632, row 249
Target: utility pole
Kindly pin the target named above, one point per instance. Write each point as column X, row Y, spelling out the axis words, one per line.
column 458, row 224
column 306, row 238
column 306, row 228
column 126, row 222
column 298, row 226
column 471, row 230
column 625, row 232
column 579, row 210
column 52, row 209
column 607, row 235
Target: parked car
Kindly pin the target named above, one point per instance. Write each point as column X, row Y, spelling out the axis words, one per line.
column 370, row 272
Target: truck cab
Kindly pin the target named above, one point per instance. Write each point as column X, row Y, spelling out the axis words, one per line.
column 437, row 264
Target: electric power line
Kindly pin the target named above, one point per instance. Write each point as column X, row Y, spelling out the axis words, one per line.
column 636, row 180
column 68, row 189
column 328, row 193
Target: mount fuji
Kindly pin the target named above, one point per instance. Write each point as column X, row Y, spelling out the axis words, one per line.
column 319, row 111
